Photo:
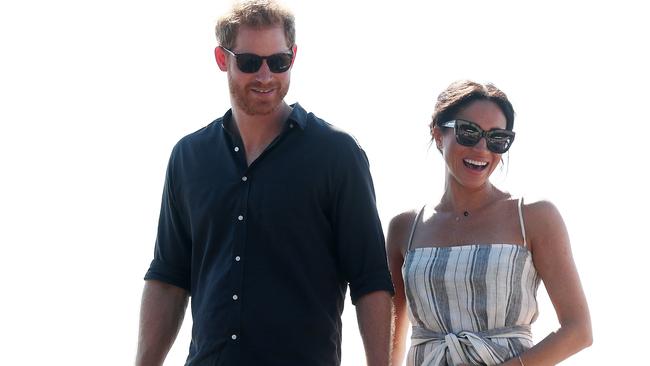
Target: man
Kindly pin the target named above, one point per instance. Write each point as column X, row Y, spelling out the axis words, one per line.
column 267, row 214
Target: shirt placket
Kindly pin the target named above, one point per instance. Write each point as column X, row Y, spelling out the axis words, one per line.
column 238, row 258
column 240, row 220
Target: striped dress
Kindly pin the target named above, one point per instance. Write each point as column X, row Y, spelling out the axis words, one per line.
column 470, row 304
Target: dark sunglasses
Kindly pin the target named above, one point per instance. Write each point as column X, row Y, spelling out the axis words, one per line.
column 469, row 134
column 250, row 62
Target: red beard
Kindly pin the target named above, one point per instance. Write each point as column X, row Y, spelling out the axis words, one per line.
column 254, row 103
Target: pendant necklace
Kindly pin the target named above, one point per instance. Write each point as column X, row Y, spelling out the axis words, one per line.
column 465, row 213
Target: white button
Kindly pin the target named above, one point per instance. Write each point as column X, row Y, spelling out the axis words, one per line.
column 234, row 336
column 236, row 148
column 244, row 178
column 235, row 297
column 291, row 125
column 237, row 258
column 240, row 217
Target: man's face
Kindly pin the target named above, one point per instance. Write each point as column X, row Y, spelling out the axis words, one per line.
column 261, row 92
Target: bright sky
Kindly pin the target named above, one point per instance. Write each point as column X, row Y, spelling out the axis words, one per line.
column 93, row 95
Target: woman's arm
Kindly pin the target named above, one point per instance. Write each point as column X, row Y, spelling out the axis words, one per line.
column 396, row 245
column 548, row 240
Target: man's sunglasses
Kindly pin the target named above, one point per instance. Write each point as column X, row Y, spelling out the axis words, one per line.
column 469, row 134
column 249, row 62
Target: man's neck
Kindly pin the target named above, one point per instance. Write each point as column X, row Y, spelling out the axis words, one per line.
column 258, row 131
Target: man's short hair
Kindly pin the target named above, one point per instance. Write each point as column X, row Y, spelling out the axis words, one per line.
column 256, row 14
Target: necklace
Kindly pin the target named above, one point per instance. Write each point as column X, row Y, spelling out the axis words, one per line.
column 465, row 213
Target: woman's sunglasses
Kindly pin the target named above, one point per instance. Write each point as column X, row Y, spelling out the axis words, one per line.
column 469, row 134
column 249, row 62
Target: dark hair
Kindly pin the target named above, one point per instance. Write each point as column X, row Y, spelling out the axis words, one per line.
column 257, row 14
column 461, row 93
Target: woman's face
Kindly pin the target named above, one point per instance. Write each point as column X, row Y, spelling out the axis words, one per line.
column 471, row 166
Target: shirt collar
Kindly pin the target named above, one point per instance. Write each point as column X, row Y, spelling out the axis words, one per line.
column 298, row 115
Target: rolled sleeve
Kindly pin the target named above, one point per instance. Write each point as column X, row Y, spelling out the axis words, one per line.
column 172, row 255
column 359, row 236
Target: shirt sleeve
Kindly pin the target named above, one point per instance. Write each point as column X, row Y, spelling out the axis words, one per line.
column 359, row 236
column 172, row 255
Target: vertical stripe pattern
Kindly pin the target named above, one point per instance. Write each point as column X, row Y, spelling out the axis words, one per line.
column 469, row 304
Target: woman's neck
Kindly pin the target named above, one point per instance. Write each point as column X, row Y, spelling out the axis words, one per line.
column 463, row 200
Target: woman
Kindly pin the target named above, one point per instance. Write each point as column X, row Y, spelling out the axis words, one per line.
column 468, row 268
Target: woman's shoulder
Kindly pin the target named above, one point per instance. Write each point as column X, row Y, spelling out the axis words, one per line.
column 544, row 224
column 399, row 229
column 404, row 220
column 536, row 208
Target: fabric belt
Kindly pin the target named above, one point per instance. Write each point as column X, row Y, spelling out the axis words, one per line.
column 468, row 347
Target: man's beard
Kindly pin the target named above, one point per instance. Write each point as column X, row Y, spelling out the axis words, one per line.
column 244, row 99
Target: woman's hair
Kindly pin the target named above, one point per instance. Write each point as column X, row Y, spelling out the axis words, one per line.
column 461, row 93
column 257, row 14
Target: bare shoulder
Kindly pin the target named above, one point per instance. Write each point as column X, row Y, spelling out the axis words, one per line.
column 540, row 209
column 544, row 225
column 399, row 230
column 540, row 212
column 403, row 221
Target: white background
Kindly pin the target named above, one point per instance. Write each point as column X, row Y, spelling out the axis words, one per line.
column 94, row 94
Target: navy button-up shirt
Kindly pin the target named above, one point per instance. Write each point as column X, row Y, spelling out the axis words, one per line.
column 267, row 251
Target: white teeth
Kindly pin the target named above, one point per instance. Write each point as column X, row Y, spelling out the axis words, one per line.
column 476, row 162
column 262, row 90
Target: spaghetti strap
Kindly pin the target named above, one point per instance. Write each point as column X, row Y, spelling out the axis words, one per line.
column 470, row 304
column 521, row 219
column 415, row 223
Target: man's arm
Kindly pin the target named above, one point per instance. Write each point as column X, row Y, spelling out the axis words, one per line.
column 161, row 315
column 374, row 317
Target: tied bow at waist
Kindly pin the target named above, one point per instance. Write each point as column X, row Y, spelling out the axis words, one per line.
column 469, row 347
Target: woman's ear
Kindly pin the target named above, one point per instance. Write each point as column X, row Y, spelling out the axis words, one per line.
column 436, row 133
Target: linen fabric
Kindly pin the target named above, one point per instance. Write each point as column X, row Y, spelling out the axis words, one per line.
column 470, row 304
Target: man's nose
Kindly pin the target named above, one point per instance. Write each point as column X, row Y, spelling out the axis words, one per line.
column 264, row 73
